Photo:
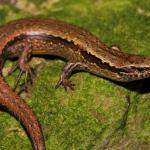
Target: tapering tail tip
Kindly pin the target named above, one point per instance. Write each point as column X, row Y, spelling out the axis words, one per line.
column 18, row 107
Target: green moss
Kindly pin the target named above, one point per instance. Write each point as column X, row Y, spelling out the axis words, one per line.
column 93, row 115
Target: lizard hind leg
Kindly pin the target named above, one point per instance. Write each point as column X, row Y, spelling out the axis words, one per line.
column 64, row 81
column 23, row 65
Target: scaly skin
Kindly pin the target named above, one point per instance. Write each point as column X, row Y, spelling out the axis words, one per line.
column 82, row 50
column 13, row 103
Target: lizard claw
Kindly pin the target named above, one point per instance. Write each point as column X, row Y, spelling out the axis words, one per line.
column 18, row 79
column 28, row 80
column 13, row 69
column 68, row 85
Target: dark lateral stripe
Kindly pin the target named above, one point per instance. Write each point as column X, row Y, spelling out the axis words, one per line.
column 91, row 58
column 87, row 56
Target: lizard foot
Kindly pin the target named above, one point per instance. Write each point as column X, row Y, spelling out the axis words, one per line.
column 24, row 70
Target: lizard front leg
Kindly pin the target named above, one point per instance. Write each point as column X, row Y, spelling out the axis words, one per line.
column 64, row 81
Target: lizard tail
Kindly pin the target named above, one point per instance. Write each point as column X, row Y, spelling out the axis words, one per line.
column 14, row 104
